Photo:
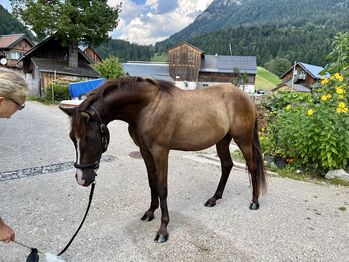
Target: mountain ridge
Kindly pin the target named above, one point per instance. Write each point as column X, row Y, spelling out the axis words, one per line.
column 222, row 14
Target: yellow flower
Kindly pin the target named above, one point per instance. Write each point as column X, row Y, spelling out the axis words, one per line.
column 342, row 110
column 288, row 107
column 263, row 129
column 326, row 97
column 341, row 97
column 338, row 77
column 341, row 105
column 340, row 90
column 310, row 112
column 324, row 81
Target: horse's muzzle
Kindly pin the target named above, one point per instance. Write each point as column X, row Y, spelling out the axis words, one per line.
column 85, row 178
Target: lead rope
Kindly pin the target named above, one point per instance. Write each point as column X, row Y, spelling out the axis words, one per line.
column 33, row 256
column 83, row 220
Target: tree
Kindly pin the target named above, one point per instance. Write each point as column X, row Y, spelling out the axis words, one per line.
column 236, row 77
column 244, row 80
column 278, row 65
column 110, row 68
column 76, row 21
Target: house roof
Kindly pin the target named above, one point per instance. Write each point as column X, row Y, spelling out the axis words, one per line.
column 157, row 71
column 32, row 51
column 313, row 70
column 295, row 87
column 7, row 41
column 185, row 43
column 226, row 64
column 62, row 67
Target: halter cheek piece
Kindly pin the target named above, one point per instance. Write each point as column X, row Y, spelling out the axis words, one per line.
column 104, row 141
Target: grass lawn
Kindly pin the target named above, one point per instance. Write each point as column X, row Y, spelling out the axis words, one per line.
column 266, row 80
column 159, row 57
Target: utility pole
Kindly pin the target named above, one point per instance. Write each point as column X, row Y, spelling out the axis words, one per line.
column 293, row 71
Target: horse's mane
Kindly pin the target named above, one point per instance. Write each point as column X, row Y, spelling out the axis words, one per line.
column 122, row 83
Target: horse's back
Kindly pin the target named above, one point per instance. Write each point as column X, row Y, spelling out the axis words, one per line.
column 203, row 117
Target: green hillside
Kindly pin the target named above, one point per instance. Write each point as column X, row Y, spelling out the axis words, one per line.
column 160, row 57
column 266, row 80
column 10, row 25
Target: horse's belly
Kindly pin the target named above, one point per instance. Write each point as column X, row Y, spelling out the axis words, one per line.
column 194, row 140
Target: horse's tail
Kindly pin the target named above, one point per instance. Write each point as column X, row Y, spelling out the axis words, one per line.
column 258, row 159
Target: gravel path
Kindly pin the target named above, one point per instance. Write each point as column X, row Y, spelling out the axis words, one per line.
column 297, row 221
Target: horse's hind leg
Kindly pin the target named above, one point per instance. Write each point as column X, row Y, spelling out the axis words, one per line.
column 247, row 151
column 226, row 164
column 149, row 162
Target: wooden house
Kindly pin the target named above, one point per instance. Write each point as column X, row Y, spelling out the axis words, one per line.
column 184, row 62
column 191, row 68
column 303, row 74
column 91, row 54
column 12, row 47
column 49, row 61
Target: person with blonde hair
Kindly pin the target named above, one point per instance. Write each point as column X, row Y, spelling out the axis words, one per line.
column 13, row 93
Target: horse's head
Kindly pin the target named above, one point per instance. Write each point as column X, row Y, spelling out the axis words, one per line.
column 90, row 137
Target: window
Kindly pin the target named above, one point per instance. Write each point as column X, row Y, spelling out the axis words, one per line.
column 14, row 55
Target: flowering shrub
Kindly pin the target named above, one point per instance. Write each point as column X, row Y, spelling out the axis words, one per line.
column 316, row 131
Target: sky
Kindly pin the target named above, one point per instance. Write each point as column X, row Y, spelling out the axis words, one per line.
column 149, row 21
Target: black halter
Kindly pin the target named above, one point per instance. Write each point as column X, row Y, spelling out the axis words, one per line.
column 104, row 141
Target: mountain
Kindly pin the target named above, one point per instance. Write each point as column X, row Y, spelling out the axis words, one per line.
column 281, row 13
column 10, row 25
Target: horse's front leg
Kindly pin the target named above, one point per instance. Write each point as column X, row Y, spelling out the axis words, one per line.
column 154, row 204
column 160, row 156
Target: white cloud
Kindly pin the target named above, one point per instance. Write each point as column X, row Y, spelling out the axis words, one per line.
column 156, row 20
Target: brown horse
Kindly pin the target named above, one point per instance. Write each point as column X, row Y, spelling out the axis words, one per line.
column 163, row 117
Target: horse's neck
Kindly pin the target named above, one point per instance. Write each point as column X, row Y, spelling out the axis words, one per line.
column 126, row 105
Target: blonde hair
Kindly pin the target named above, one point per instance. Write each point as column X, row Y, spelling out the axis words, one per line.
column 13, row 85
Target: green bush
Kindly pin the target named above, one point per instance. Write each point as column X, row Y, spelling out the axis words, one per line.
column 110, row 68
column 314, row 130
column 57, row 91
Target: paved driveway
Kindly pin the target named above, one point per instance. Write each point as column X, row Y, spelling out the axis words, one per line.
column 297, row 221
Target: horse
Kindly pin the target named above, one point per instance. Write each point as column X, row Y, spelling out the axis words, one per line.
column 162, row 117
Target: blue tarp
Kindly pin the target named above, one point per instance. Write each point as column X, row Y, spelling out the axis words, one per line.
column 80, row 88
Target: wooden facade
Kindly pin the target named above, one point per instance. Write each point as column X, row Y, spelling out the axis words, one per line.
column 223, row 77
column 12, row 47
column 92, row 55
column 184, row 62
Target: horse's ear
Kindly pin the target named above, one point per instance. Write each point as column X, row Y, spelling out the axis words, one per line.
column 68, row 109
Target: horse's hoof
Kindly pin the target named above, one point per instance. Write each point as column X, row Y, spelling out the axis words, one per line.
column 146, row 217
column 161, row 238
column 254, row 206
column 210, row 204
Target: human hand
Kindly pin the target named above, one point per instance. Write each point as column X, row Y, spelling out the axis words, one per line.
column 6, row 233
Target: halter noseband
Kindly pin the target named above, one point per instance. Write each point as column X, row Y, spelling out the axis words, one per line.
column 104, row 141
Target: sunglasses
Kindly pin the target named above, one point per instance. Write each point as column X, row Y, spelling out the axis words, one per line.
column 19, row 106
